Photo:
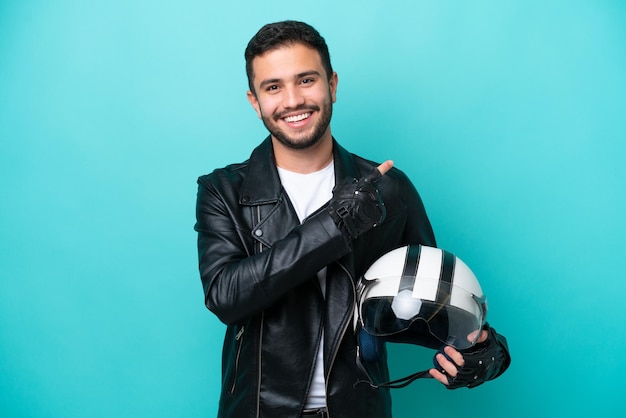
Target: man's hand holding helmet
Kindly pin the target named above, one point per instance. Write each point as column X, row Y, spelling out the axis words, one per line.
column 427, row 296
column 473, row 366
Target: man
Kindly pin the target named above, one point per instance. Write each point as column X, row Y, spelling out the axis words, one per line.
column 283, row 240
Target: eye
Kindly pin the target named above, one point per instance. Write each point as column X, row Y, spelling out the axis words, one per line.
column 307, row 81
column 271, row 88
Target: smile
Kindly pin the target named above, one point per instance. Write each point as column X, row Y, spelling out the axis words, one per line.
column 297, row 118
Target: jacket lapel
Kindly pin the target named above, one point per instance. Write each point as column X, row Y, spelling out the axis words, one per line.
column 345, row 165
column 272, row 215
column 262, row 184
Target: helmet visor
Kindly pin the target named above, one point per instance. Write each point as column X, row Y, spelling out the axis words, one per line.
column 455, row 321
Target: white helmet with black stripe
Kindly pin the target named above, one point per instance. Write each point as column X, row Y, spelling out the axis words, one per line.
column 421, row 295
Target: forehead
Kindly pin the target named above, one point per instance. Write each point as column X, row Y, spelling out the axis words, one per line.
column 285, row 62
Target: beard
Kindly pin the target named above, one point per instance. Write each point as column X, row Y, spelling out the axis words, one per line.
column 304, row 140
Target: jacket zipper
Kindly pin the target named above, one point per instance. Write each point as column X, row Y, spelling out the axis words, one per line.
column 343, row 332
column 239, row 339
column 258, row 221
column 258, row 395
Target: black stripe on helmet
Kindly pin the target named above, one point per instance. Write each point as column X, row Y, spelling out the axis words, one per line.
column 444, row 290
column 407, row 281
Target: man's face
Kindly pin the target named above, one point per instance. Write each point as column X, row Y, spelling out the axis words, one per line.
column 294, row 97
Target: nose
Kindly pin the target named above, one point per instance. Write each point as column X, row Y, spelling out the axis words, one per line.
column 293, row 98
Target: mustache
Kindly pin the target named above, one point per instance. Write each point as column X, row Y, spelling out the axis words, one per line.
column 312, row 108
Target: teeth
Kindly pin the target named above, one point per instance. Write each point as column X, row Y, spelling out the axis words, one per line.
column 297, row 118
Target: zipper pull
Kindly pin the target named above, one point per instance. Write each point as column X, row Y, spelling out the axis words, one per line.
column 239, row 334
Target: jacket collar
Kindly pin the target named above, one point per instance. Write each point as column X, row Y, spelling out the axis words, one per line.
column 262, row 184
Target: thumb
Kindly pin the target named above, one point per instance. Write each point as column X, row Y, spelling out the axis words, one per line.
column 384, row 167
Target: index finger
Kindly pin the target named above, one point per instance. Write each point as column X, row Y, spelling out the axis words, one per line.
column 455, row 356
column 384, row 167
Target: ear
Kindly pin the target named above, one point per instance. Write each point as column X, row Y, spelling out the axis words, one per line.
column 332, row 85
column 255, row 103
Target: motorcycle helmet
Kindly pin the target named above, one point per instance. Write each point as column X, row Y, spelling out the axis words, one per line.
column 419, row 295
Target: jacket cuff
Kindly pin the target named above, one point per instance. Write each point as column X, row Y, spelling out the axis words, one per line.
column 338, row 244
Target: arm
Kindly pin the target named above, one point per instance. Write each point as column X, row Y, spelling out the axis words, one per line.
column 238, row 284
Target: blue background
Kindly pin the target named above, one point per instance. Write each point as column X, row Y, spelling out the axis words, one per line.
column 509, row 117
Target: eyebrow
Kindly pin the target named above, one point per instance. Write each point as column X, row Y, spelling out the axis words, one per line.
column 297, row 76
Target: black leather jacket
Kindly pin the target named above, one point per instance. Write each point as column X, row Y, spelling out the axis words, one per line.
column 258, row 266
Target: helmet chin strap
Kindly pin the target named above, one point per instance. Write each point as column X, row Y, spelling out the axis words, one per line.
column 368, row 350
column 399, row 383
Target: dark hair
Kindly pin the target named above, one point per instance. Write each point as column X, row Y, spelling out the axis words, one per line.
column 275, row 35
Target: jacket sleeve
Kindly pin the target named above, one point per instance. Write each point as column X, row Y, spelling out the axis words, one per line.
column 238, row 284
column 503, row 356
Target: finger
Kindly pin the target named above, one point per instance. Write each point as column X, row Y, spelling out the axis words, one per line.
column 378, row 172
column 456, row 357
column 472, row 336
column 384, row 167
column 438, row 376
column 446, row 365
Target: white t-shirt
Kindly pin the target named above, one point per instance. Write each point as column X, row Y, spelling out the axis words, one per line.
column 308, row 192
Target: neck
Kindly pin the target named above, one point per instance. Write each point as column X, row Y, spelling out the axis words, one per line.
column 304, row 161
